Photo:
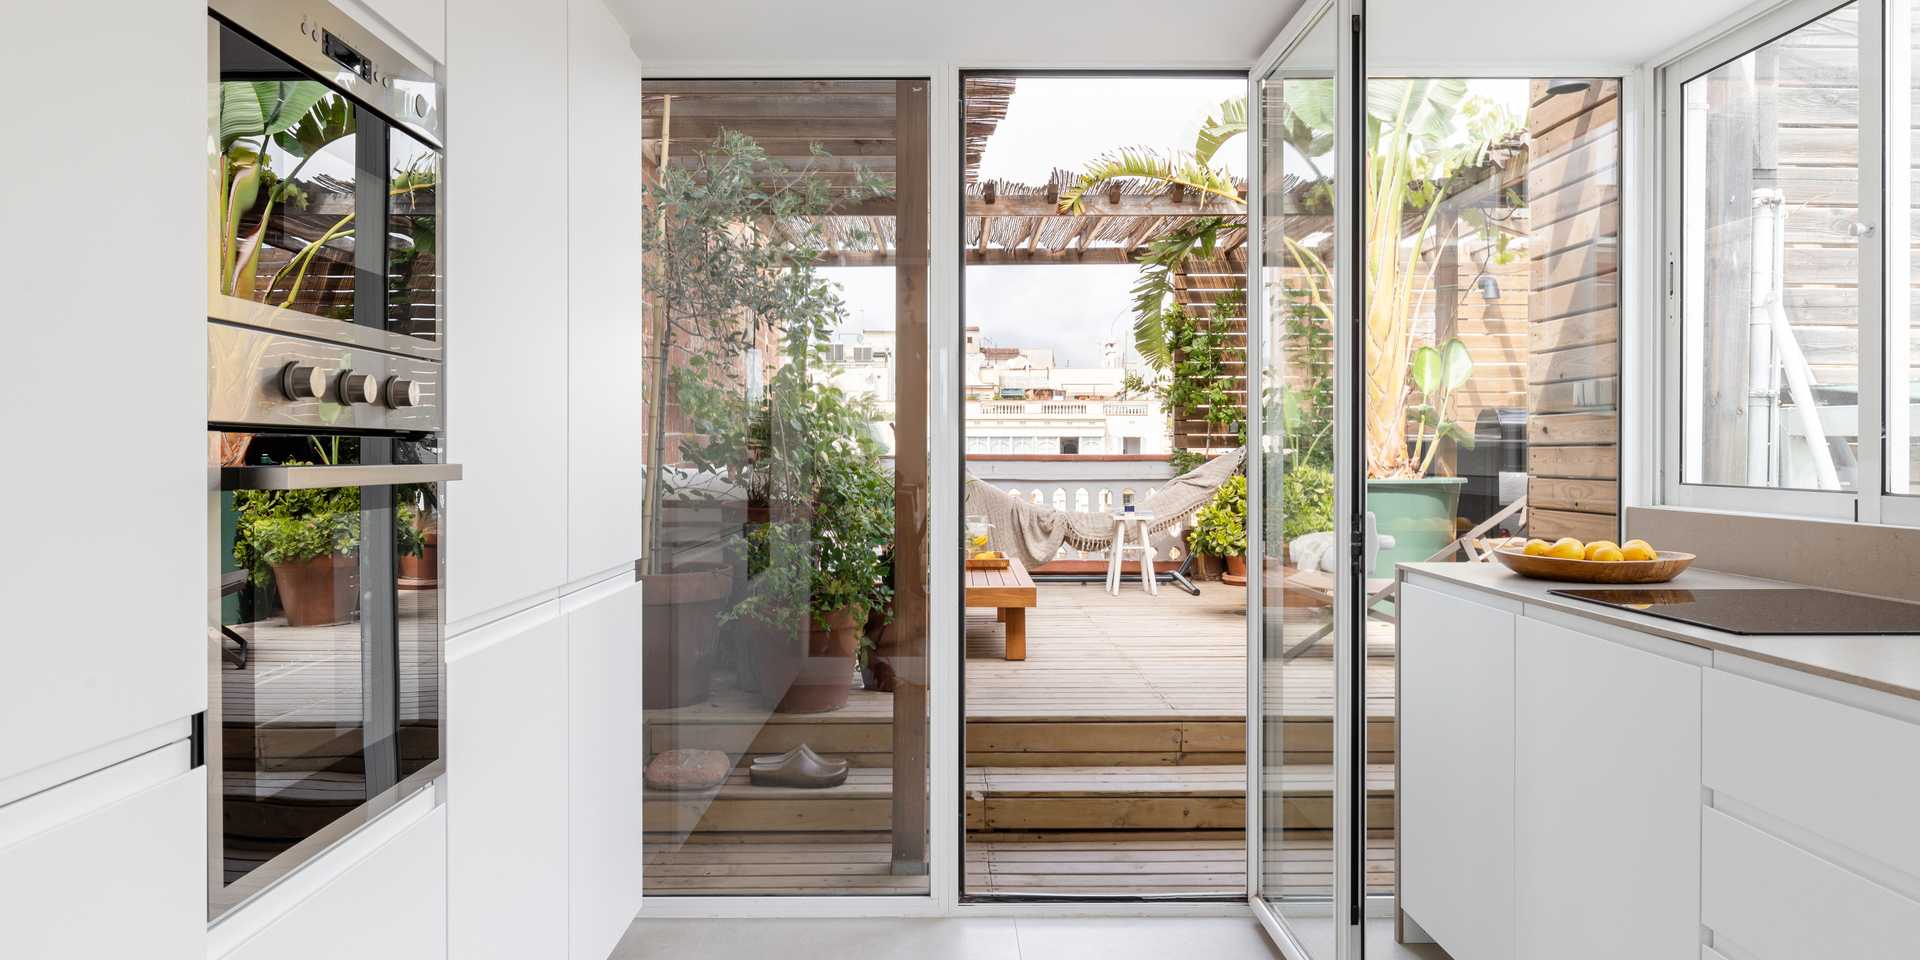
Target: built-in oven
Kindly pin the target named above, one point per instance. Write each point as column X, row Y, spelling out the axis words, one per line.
column 325, row 339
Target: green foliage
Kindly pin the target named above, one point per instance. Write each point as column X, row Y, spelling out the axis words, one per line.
column 1198, row 384
column 1220, row 527
column 1186, row 461
column 288, row 526
column 1436, row 373
column 1306, row 501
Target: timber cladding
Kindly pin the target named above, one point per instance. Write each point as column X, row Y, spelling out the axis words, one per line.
column 1573, row 312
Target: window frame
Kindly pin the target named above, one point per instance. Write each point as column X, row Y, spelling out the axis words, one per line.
column 1867, row 503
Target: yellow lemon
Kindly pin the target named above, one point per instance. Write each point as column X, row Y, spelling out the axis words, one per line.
column 1638, row 550
column 1599, row 545
column 1607, row 553
column 1567, row 548
column 1537, row 547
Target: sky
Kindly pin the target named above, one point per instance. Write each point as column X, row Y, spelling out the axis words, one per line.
column 1062, row 122
column 1065, row 122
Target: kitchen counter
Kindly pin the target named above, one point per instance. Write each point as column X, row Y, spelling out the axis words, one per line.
column 1887, row 663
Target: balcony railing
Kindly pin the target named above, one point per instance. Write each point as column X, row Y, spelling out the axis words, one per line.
column 1093, row 483
column 1058, row 408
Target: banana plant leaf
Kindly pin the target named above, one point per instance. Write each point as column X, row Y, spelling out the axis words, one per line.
column 254, row 108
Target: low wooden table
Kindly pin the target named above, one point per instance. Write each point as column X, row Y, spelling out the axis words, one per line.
column 1010, row 592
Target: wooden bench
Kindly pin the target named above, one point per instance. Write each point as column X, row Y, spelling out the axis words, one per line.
column 1010, row 592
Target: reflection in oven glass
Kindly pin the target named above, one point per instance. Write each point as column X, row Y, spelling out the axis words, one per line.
column 330, row 647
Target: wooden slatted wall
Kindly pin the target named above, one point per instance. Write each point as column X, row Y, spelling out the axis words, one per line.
column 1573, row 311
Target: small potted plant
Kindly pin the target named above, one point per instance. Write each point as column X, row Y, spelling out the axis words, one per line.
column 1220, row 528
column 306, row 544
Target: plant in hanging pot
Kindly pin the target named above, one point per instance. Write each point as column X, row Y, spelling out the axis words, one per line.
column 1220, row 528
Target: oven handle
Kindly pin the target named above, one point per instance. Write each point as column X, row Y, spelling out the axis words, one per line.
column 317, row 477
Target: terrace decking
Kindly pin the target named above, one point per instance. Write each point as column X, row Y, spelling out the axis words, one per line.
column 1110, row 761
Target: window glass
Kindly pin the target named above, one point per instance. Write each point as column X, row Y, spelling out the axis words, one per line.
column 1771, row 305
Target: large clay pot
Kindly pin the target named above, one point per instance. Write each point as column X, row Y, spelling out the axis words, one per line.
column 318, row 591
column 1236, row 570
column 825, row 677
column 422, row 572
column 679, row 630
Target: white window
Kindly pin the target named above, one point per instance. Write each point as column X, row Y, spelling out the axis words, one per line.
column 1787, row 216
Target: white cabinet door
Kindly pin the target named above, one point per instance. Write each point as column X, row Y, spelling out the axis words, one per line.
column 1607, row 799
column 106, row 602
column 393, row 903
column 607, row 760
column 506, row 525
column 1456, row 772
column 605, row 476
column 507, row 789
column 128, row 880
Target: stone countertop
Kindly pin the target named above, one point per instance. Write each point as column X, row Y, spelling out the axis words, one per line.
column 1889, row 663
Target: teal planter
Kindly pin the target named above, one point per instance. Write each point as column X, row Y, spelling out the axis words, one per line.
column 1417, row 514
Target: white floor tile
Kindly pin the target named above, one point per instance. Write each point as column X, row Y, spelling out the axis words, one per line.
column 1145, row 938
column 984, row 938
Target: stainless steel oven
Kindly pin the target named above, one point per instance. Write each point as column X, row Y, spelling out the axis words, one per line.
column 325, row 339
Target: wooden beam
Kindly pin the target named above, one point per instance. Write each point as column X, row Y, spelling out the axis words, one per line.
column 1126, row 205
column 995, row 257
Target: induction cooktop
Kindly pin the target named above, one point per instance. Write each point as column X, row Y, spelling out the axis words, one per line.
column 1763, row 611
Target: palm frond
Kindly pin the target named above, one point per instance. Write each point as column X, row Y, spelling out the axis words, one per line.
column 1228, row 122
column 1143, row 164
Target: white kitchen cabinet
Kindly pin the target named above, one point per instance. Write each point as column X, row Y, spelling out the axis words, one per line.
column 1606, row 799
column 1457, row 771
column 507, row 767
column 505, row 535
column 1776, row 900
column 126, row 880
column 605, row 458
column 106, row 376
column 606, row 765
column 392, row 903
column 422, row 22
column 1852, row 778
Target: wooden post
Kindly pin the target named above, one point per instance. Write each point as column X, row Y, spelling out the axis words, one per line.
column 912, row 493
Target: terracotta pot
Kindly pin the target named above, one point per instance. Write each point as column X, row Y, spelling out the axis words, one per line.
column 318, row 591
column 1206, row 566
column 678, row 633
column 825, row 677
column 422, row 572
column 1236, row 570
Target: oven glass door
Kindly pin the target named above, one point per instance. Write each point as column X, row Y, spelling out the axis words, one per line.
column 326, row 212
column 329, row 644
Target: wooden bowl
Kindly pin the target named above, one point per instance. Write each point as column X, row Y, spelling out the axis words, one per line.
column 1667, row 566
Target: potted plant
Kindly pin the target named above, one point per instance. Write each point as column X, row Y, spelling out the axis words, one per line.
column 1220, row 528
column 306, row 544
column 733, row 248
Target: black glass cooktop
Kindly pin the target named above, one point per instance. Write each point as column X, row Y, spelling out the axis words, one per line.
column 1788, row 610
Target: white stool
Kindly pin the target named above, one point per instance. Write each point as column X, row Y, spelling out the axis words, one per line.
column 1121, row 550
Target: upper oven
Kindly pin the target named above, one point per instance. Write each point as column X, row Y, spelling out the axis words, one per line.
column 325, row 404
column 327, row 169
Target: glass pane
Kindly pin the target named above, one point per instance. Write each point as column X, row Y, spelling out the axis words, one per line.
column 1903, row 387
column 1299, row 698
column 329, row 692
column 413, row 238
column 1771, row 299
column 1103, row 397
column 785, row 635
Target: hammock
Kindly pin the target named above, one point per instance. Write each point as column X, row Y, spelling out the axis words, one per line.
column 1034, row 532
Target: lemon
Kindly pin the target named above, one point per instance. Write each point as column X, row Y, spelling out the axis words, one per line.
column 1567, row 548
column 1537, row 547
column 1599, row 545
column 1608, row 553
column 1638, row 550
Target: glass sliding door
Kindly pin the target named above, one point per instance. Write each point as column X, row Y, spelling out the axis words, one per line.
column 1304, row 745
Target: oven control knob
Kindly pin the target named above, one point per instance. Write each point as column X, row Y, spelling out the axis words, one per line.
column 402, row 392
column 358, row 388
column 302, row 381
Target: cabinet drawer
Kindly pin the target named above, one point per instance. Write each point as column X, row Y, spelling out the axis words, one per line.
column 1838, row 771
column 1774, row 899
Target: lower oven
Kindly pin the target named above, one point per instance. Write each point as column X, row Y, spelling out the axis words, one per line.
column 325, row 706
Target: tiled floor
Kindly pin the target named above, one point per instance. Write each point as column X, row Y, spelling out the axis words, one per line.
column 972, row 938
